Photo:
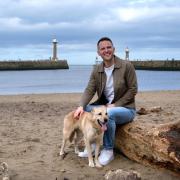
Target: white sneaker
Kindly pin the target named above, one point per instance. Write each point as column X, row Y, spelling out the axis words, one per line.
column 85, row 153
column 106, row 157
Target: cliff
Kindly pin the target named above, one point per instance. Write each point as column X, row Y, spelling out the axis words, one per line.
column 33, row 65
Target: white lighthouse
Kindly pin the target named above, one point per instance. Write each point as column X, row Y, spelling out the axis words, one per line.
column 54, row 58
column 127, row 53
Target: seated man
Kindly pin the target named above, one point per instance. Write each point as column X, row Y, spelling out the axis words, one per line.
column 115, row 82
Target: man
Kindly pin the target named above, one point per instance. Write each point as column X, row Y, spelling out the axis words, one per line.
column 114, row 81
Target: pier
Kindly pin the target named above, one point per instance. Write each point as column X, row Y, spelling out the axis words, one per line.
column 160, row 65
column 42, row 64
column 33, row 65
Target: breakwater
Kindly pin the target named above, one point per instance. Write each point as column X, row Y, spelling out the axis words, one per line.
column 33, row 65
column 173, row 65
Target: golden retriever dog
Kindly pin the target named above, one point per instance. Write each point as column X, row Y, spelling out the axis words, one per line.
column 92, row 125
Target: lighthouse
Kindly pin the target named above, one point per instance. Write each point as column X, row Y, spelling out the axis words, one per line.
column 54, row 58
column 127, row 53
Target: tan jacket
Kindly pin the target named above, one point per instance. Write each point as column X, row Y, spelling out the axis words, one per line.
column 125, row 85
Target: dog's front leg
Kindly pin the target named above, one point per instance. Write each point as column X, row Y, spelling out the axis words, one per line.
column 89, row 150
column 97, row 153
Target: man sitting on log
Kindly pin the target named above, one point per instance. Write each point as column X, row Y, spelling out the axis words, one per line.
column 115, row 82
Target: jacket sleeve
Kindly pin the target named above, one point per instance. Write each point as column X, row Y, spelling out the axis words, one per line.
column 131, row 82
column 89, row 91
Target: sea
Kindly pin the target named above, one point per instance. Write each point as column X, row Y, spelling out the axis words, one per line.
column 75, row 79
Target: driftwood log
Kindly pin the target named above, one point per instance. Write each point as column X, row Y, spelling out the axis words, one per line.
column 147, row 144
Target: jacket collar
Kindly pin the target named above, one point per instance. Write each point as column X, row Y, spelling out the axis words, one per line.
column 117, row 64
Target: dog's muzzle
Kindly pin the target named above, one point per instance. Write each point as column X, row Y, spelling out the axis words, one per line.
column 103, row 124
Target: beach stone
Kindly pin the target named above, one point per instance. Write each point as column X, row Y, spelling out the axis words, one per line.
column 4, row 172
column 151, row 144
column 144, row 111
column 120, row 174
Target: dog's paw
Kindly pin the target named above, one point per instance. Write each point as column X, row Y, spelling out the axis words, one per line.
column 62, row 155
column 98, row 165
column 76, row 150
column 91, row 164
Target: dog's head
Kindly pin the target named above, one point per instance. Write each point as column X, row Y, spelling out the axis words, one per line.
column 100, row 117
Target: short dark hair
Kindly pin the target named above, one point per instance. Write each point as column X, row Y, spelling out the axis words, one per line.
column 104, row 39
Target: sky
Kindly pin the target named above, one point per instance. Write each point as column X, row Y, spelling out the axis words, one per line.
column 149, row 28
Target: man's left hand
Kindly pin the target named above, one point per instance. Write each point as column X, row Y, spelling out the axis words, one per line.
column 110, row 105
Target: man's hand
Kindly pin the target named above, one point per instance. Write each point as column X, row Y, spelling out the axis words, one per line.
column 110, row 105
column 78, row 112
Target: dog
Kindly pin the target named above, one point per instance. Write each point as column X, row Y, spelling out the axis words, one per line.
column 92, row 125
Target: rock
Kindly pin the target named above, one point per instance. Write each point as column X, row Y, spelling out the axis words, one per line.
column 144, row 111
column 145, row 144
column 4, row 171
column 156, row 109
column 120, row 174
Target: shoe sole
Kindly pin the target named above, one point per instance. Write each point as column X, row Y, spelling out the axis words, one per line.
column 105, row 163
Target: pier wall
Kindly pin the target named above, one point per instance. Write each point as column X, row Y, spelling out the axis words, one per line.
column 33, row 65
column 173, row 65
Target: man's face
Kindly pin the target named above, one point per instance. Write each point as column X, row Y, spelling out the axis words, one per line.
column 106, row 50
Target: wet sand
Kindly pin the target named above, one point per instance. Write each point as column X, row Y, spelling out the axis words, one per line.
column 31, row 134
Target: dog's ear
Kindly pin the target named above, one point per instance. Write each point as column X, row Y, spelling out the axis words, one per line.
column 92, row 111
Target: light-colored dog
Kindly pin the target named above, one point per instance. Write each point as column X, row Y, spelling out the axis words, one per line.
column 92, row 124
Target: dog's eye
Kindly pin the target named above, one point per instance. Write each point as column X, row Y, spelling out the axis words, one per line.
column 106, row 114
column 100, row 114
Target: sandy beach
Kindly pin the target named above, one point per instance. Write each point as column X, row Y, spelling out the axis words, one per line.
column 31, row 134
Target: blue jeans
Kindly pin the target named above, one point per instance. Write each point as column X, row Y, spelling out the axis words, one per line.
column 117, row 116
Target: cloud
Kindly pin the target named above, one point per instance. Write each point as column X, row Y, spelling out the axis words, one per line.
column 77, row 24
column 17, row 24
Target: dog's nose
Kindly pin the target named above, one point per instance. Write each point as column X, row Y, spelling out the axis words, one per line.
column 105, row 120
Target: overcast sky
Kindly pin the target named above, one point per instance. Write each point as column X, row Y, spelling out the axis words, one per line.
column 150, row 28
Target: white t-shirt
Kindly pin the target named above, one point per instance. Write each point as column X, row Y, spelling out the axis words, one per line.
column 109, row 87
